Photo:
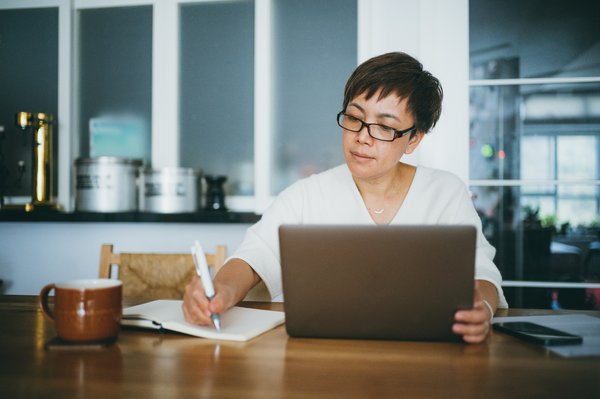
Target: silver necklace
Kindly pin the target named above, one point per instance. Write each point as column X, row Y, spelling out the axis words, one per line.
column 378, row 211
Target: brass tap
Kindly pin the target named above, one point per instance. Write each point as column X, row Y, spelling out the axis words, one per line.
column 41, row 124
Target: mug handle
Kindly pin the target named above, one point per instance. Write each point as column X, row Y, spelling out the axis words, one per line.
column 43, row 301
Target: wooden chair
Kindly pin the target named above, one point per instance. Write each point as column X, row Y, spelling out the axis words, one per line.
column 149, row 276
column 592, row 262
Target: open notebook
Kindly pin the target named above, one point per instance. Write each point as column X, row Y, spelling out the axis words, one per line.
column 237, row 324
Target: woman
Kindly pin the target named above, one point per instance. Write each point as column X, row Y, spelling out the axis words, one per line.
column 390, row 103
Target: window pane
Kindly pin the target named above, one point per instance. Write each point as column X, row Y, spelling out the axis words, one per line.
column 533, row 39
column 543, row 200
column 578, row 205
column 217, row 91
column 314, row 54
column 115, row 81
column 577, row 157
column 545, row 237
column 517, row 131
column 544, row 136
column 540, row 149
column 495, row 130
column 28, row 82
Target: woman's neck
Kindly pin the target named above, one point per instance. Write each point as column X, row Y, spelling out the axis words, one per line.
column 383, row 196
column 386, row 185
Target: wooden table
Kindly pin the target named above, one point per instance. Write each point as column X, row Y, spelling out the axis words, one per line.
column 150, row 364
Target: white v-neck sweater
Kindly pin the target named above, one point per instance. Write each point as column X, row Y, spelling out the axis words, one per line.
column 331, row 197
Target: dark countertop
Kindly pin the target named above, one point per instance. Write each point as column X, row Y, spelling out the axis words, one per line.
column 141, row 217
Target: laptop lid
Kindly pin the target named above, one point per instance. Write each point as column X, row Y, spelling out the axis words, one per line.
column 376, row 282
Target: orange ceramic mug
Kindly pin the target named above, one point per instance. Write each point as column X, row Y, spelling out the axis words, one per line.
column 84, row 310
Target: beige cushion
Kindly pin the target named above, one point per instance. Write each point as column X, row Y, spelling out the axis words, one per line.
column 151, row 276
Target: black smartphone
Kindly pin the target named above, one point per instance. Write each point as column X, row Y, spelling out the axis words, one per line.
column 538, row 334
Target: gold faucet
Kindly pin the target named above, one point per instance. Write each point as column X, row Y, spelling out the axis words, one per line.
column 41, row 123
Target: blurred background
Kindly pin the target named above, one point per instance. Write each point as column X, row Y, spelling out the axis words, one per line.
column 249, row 89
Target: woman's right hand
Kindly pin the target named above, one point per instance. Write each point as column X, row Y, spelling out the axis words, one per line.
column 196, row 306
column 232, row 283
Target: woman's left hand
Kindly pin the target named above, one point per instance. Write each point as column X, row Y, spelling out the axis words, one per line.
column 473, row 324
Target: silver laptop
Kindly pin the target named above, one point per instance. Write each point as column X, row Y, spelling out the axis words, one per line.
column 376, row 282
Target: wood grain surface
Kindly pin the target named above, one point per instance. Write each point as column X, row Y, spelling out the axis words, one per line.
column 151, row 364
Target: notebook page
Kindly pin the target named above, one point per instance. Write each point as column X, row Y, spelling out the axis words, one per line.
column 237, row 324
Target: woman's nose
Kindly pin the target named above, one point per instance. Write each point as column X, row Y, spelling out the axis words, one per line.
column 363, row 135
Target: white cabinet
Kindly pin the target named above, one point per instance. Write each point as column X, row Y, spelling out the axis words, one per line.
column 247, row 88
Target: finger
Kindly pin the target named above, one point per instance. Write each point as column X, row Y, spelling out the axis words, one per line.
column 473, row 324
column 471, row 334
column 195, row 304
column 474, row 339
column 186, row 313
column 191, row 312
column 478, row 314
column 221, row 301
column 470, row 329
column 190, row 298
column 195, row 314
column 216, row 305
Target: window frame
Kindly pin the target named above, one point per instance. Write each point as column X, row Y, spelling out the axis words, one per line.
column 528, row 182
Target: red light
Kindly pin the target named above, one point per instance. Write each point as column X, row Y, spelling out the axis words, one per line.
column 501, row 154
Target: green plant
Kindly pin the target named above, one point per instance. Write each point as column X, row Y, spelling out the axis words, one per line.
column 531, row 216
column 549, row 221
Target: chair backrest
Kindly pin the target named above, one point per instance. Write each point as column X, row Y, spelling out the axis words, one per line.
column 592, row 261
column 149, row 276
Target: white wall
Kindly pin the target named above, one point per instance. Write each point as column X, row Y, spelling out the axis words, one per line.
column 437, row 33
column 36, row 253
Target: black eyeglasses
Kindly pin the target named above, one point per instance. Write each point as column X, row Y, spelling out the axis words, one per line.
column 375, row 130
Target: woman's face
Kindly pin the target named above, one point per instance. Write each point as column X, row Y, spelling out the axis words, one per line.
column 367, row 157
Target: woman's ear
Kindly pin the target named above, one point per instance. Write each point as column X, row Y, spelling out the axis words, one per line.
column 413, row 142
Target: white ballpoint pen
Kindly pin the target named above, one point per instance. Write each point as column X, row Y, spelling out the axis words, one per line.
column 202, row 270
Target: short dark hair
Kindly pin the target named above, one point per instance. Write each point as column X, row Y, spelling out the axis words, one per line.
column 400, row 74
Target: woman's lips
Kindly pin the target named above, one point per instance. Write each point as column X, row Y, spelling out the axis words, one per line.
column 361, row 155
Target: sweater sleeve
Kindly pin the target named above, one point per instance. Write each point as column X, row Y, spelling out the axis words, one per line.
column 260, row 246
column 485, row 269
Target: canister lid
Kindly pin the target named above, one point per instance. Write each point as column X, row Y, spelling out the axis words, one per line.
column 108, row 161
column 170, row 171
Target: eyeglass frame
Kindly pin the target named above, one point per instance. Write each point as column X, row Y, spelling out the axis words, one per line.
column 397, row 133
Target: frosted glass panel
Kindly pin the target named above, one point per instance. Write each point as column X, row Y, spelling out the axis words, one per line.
column 28, row 82
column 314, row 54
column 216, row 91
column 115, row 88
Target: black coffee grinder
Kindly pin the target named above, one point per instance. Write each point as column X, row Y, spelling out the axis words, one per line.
column 215, row 193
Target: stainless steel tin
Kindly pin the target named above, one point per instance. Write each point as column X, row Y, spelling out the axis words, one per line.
column 106, row 184
column 169, row 190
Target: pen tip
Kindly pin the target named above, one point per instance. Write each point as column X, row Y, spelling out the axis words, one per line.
column 217, row 322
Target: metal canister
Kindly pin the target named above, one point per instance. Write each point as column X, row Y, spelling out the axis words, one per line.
column 169, row 190
column 106, row 184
